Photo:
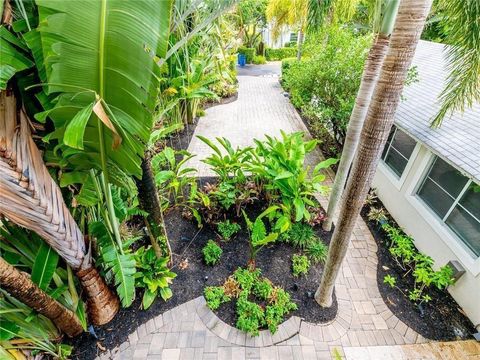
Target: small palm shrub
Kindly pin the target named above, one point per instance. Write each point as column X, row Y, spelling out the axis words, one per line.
column 300, row 235
column 317, row 252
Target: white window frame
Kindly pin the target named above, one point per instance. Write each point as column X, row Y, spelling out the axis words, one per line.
column 388, row 171
column 449, row 237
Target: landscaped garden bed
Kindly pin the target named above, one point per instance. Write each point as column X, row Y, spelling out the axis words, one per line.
column 434, row 314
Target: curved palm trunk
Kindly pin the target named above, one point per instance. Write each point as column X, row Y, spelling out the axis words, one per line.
column 19, row 285
column 31, row 198
column 371, row 71
column 408, row 27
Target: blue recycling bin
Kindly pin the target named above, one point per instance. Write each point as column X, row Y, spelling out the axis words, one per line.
column 242, row 59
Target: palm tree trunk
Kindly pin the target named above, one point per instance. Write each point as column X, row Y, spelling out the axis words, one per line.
column 408, row 28
column 371, row 71
column 31, row 199
column 299, row 44
column 19, row 285
column 150, row 203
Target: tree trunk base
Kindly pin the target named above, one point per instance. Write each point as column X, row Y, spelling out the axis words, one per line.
column 102, row 303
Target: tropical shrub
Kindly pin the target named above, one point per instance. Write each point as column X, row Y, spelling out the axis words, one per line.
column 153, row 275
column 259, row 60
column 248, row 52
column 411, row 260
column 300, row 265
column 287, row 64
column 212, row 252
column 324, row 85
column 249, row 287
column 280, row 164
column 227, row 229
column 259, row 237
column 280, row 54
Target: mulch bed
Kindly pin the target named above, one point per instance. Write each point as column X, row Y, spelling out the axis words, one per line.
column 439, row 319
column 273, row 260
column 187, row 241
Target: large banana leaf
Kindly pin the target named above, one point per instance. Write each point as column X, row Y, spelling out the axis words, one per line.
column 100, row 58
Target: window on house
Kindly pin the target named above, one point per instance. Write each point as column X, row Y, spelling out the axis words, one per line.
column 293, row 37
column 456, row 201
column 398, row 149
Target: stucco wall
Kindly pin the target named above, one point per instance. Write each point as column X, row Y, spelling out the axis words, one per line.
column 431, row 236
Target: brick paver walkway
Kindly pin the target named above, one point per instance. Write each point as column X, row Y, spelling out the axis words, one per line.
column 364, row 327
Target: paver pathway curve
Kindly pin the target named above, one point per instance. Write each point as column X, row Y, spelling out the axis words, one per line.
column 364, row 327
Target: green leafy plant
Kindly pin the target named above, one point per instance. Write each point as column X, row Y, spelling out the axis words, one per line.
column 263, row 289
column 280, row 164
column 250, row 315
column 153, row 275
column 390, row 280
column 212, row 252
column 300, row 265
column 317, row 251
column 419, row 265
column 258, row 234
column 280, row 305
column 172, row 178
column 215, row 296
column 227, row 229
column 21, row 328
column 247, row 278
column 248, row 286
column 300, row 235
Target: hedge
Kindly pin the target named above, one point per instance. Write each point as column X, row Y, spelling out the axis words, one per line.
column 280, row 54
column 248, row 52
column 287, row 63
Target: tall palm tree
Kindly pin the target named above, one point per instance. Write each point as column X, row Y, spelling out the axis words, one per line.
column 461, row 18
column 407, row 30
column 382, row 27
column 24, row 289
column 31, row 198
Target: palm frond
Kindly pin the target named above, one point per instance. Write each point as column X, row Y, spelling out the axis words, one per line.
column 462, row 88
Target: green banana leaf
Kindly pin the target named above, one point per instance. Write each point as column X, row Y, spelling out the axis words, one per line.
column 103, row 53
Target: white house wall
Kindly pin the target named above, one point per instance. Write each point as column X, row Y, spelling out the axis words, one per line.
column 431, row 236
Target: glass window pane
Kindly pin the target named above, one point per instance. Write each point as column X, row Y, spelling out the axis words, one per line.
column 466, row 227
column 447, row 177
column 471, row 199
column 403, row 143
column 396, row 161
column 436, row 198
column 389, row 140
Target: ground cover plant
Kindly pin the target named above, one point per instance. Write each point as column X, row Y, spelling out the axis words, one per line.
column 408, row 283
column 259, row 303
column 212, row 253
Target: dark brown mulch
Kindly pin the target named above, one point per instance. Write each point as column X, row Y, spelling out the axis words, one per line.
column 187, row 241
column 439, row 319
